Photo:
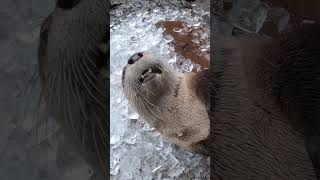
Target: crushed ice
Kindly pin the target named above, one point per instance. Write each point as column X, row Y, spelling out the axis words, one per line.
column 137, row 150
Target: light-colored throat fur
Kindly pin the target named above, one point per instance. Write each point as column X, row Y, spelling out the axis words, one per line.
column 178, row 115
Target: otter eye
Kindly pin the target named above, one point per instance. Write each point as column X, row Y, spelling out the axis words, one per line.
column 67, row 4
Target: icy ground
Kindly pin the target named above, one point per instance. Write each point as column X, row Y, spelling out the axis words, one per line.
column 137, row 150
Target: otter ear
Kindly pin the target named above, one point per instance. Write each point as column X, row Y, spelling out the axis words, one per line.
column 67, row 4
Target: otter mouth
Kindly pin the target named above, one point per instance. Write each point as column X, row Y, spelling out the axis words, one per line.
column 148, row 74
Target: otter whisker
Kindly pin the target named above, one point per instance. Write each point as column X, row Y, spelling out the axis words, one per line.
column 84, row 113
column 77, row 99
column 91, row 122
column 137, row 87
column 97, row 149
column 37, row 110
column 86, row 87
column 69, row 89
column 95, row 78
column 145, row 104
column 139, row 91
column 95, row 52
column 36, row 115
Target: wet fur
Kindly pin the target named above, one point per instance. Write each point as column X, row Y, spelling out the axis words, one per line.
column 262, row 99
column 73, row 73
column 168, row 102
column 264, row 110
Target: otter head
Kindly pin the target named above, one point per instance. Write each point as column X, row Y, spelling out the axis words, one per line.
column 146, row 78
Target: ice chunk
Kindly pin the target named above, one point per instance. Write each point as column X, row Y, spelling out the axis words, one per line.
column 176, row 172
column 168, row 38
column 114, row 139
column 249, row 15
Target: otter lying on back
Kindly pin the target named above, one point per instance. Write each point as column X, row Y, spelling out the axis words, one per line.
column 262, row 98
column 166, row 99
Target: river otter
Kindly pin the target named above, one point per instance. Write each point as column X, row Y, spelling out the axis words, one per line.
column 73, row 72
column 261, row 96
column 167, row 99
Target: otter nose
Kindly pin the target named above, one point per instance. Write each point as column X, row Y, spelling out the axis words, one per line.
column 135, row 57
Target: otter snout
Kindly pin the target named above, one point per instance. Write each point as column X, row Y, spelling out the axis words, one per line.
column 134, row 58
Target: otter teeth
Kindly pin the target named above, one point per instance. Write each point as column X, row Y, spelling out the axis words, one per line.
column 179, row 134
column 147, row 73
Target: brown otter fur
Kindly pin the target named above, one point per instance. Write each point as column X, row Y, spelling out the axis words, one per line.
column 264, row 112
column 262, row 99
column 72, row 68
column 163, row 99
